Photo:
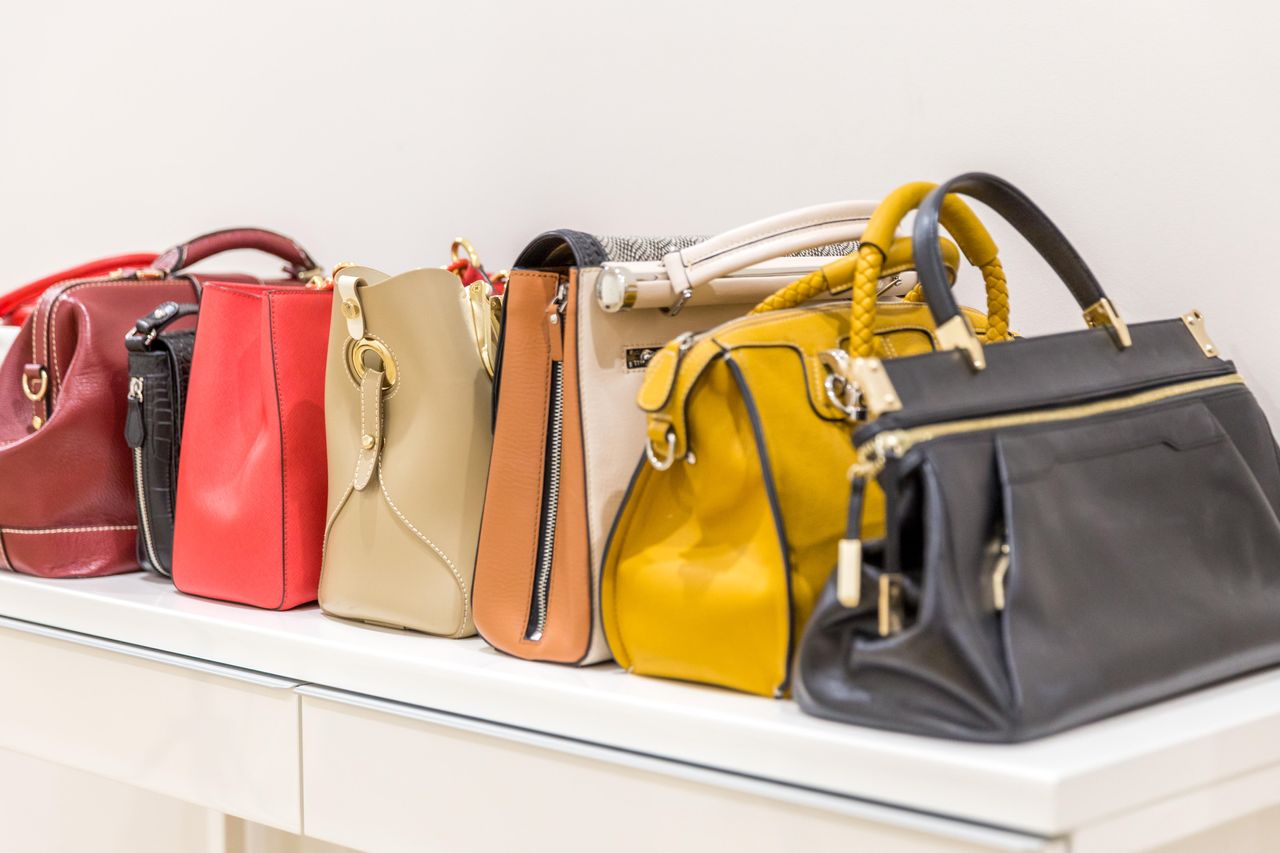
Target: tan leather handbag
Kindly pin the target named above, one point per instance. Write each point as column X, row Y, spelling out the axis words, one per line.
column 583, row 317
column 407, row 414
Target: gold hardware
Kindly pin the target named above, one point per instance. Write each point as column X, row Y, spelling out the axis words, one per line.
column 37, row 422
column 366, row 441
column 998, row 576
column 1194, row 321
column 878, row 393
column 849, row 572
column 149, row 272
column 1103, row 313
column 957, row 334
column 355, row 356
column 463, row 244
column 895, row 443
column 37, row 395
column 350, row 308
column 890, row 609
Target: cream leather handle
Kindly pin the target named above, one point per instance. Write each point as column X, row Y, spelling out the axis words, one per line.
column 775, row 237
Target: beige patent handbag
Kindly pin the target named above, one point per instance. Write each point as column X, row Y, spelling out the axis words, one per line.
column 407, row 403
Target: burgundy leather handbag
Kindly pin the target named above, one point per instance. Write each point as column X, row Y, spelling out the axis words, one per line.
column 67, row 505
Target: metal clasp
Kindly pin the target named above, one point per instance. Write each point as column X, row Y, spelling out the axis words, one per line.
column 664, row 463
column 37, row 395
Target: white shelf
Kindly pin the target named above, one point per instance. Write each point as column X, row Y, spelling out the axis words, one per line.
column 1048, row 788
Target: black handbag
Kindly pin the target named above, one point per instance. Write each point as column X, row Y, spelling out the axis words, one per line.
column 159, row 365
column 1077, row 524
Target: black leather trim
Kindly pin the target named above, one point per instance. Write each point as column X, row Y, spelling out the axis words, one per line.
column 1020, row 212
column 561, row 248
column 1050, row 370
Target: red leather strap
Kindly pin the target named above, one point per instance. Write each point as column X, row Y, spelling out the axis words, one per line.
column 17, row 304
column 192, row 252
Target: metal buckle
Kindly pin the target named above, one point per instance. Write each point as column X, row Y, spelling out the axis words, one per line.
column 669, row 460
column 38, row 395
column 355, row 357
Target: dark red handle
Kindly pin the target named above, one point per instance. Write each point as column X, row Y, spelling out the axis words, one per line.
column 192, row 252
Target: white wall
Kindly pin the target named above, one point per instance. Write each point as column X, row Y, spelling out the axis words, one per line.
column 376, row 131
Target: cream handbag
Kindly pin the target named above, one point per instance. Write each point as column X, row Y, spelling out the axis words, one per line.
column 407, row 403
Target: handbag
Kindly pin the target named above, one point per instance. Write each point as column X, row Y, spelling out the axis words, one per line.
column 1078, row 524
column 159, row 367
column 583, row 316
column 730, row 525
column 70, row 510
column 407, row 411
column 249, row 522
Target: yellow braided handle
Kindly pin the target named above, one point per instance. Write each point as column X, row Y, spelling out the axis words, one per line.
column 877, row 242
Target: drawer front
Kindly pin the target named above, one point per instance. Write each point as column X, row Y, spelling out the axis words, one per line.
column 387, row 778
column 194, row 731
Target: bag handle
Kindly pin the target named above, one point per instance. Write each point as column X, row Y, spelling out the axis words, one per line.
column 300, row 264
column 150, row 325
column 974, row 242
column 1032, row 223
column 774, row 237
column 18, row 303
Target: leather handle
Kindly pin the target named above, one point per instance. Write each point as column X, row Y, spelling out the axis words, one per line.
column 152, row 324
column 1020, row 212
column 775, row 237
column 207, row 245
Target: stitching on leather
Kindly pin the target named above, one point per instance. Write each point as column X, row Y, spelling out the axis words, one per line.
column 4, row 556
column 328, row 526
column 377, row 429
column 462, row 585
column 52, row 324
column 37, row 531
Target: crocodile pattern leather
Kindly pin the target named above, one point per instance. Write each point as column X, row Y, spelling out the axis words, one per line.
column 154, row 424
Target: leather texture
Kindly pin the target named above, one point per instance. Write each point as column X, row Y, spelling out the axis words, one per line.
column 252, row 486
column 71, row 511
column 405, row 504
column 601, row 358
column 714, row 564
column 1034, row 507
column 159, row 370
column 297, row 260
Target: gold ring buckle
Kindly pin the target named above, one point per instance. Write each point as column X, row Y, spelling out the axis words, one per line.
column 35, row 396
column 356, row 352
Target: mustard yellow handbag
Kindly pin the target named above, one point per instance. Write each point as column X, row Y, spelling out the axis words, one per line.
column 730, row 526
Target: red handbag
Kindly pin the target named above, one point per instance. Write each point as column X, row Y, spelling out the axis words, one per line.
column 16, row 305
column 67, row 505
column 252, row 486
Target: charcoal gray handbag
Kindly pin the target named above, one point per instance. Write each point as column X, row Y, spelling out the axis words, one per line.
column 1077, row 524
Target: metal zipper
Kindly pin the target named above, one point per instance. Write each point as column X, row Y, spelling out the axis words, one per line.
column 139, row 481
column 891, row 444
column 874, row 454
column 551, row 490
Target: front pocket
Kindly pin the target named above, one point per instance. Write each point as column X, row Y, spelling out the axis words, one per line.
column 1144, row 561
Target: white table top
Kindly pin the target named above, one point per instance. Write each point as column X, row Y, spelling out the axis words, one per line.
column 1046, row 787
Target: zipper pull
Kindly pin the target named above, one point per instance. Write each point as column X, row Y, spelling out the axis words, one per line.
column 870, row 462
column 998, row 575
column 134, row 429
column 555, row 321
